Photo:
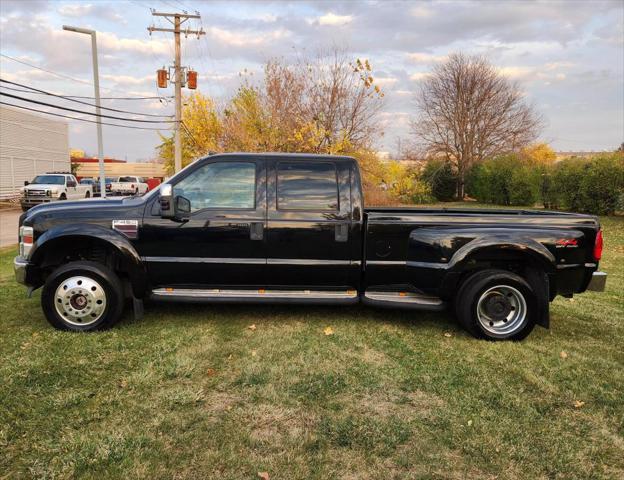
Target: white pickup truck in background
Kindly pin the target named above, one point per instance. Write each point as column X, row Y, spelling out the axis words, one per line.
column 128, row 185
column 52, row 187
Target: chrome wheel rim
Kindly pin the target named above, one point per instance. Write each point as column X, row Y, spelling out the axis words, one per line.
column 502, row 310
column 80, row 300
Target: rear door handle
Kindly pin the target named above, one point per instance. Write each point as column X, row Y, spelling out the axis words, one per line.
column 256, row 230
column 342, row 232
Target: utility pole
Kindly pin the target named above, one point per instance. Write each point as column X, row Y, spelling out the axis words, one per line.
column 178, row 20
column 96, row 84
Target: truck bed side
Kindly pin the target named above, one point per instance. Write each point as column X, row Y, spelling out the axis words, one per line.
column 429, row 250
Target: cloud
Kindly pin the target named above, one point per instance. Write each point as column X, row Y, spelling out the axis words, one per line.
column 334, row 20
column 419, row 76
column 125, row 80
column 421, row 12
column 425, row 58
column 83, row 10
column 386, row 81
column 234, row 38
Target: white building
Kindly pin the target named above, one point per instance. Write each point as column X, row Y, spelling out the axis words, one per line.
column 30, row 144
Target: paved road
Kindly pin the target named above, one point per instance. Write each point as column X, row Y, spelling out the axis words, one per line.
column 8, row 226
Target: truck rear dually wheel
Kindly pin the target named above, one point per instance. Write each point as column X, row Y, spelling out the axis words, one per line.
column 496, row 305
column 82, row 296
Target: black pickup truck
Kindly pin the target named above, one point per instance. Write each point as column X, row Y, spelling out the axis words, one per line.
column 292, row 228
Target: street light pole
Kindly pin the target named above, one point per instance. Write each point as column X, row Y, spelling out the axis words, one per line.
column 96, row 83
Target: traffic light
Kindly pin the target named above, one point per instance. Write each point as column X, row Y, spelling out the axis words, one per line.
column 191, row 79
column 162, row 78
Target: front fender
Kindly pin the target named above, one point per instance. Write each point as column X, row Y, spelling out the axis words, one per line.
column 127, row 254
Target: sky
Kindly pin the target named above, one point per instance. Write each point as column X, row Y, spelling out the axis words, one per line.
column 568, row 56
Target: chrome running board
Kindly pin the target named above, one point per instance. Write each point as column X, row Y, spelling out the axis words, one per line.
column 417, row 301
column 255, row 296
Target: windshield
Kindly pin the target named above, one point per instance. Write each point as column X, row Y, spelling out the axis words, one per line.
column 86, row 181
column 49, row 180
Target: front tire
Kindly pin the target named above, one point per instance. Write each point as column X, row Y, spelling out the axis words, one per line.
column 82, row 296
column 496, row 305
column 88, row 195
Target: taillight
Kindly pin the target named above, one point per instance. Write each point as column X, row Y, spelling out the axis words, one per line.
column 598, row 246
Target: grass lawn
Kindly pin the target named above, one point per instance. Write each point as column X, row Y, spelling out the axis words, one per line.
column 193, row 392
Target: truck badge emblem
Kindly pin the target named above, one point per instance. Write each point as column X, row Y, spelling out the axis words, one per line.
column 128, row 228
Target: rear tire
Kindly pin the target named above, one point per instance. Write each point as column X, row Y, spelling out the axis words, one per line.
column 63, row 197
column 88, row 195
column 82, row 297
column 496, row 305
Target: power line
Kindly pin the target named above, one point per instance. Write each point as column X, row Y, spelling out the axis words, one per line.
column 83, row 112
column 44, row 92
column 163, row 97
column 79, row 119
column 79, row 80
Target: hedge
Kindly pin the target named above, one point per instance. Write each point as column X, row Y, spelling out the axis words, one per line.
column 505, row 180
column 581, row 185
column 591, row 186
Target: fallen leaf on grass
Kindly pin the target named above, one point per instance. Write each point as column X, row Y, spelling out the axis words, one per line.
column 252, row 327
column 123, row 383
column 253, row 353
column 328, row 331
column 470, row 423
column 578, row 403
column 211, row 372
column 263, row 475
column 563, row 355
column 448, row 334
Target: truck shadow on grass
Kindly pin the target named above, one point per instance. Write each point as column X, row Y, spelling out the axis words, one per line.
column 157, row 312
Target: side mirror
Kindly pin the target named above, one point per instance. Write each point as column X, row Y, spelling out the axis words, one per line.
column 167, row 209
column 182, row 208
column 26, row 183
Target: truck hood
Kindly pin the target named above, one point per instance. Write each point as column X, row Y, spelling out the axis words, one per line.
column 100, row 211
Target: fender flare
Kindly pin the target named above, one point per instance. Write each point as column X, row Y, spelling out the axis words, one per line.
column 130, row 259
column 523, row 245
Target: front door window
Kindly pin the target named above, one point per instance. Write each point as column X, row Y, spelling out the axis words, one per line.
column 220, row 185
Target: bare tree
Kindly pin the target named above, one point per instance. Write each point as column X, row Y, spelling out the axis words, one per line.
column 339, row 97
column 468, row 111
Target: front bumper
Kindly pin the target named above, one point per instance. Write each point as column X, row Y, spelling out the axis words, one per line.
column 20, row 265
column 31, row 202
column 598, row 282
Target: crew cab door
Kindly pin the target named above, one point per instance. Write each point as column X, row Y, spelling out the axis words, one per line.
column 223, row 242
column 71, row 184
column 309, row 223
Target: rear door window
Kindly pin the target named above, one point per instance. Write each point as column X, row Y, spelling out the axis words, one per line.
column 311, row 186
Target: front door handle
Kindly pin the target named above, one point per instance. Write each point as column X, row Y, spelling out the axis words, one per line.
column 256, row 230
column 342, row 232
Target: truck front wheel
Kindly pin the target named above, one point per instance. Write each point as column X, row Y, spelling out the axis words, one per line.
column 82, row 296
column 496, row 305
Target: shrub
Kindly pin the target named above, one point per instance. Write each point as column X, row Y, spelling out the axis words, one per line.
column 505, row 180
column 439, row 175
column 590, row 186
